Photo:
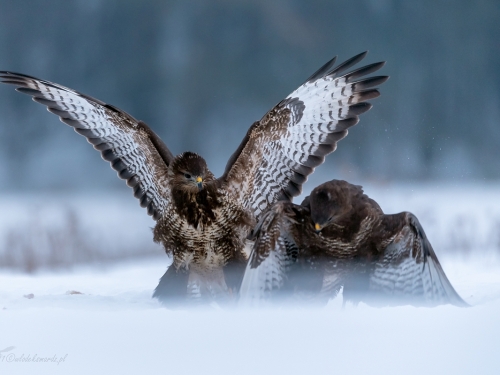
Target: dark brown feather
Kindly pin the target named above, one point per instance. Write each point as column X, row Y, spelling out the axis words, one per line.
column 343, row 238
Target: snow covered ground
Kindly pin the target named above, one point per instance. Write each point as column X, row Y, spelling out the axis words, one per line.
column 115, row 327
column 57, row 231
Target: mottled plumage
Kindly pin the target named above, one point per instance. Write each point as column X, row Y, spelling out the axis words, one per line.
column 203, row 221
column 339, row 237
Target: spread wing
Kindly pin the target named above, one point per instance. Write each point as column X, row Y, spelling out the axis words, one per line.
column 284, row 147
column 409, row 271
column 273, row 254
column 133, row 149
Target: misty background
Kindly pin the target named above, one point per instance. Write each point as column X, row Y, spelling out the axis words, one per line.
column 199, row 73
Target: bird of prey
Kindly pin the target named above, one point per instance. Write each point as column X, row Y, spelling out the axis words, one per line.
column 203, row 221
column 339, row 237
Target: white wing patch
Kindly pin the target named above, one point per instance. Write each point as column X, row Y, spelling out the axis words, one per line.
column 270, row 261
column 409, row 272
column 296, row 135
column 123, row 141
column 261, row 284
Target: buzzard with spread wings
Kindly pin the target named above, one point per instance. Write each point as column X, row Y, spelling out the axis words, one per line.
column 203, row 221
column 339, row 237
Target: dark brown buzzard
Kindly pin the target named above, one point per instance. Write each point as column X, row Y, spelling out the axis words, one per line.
column 339, row 237
column 203, row 221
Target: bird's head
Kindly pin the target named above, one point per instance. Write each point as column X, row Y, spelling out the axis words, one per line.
column 190, row 172
column 328, row 202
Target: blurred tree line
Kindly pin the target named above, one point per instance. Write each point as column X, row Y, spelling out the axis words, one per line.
column 200, row 72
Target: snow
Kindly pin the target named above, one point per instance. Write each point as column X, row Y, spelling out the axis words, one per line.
column 115, row 327
column 59, row 230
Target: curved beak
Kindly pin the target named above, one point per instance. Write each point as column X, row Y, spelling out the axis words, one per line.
column 199, row 181
column 317, row 227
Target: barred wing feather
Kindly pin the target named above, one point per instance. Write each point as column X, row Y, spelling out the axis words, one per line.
column 270, row 261
column 133, row 149
column 284, row 147
column 409, row 271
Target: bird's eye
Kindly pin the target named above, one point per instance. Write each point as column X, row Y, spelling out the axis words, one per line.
column 187, row 175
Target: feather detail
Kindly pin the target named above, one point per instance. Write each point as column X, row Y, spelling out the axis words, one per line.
column 297, row 134
column 133, row 150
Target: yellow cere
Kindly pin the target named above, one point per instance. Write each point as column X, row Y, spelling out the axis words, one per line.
column 317, row 226
column 199, row 179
